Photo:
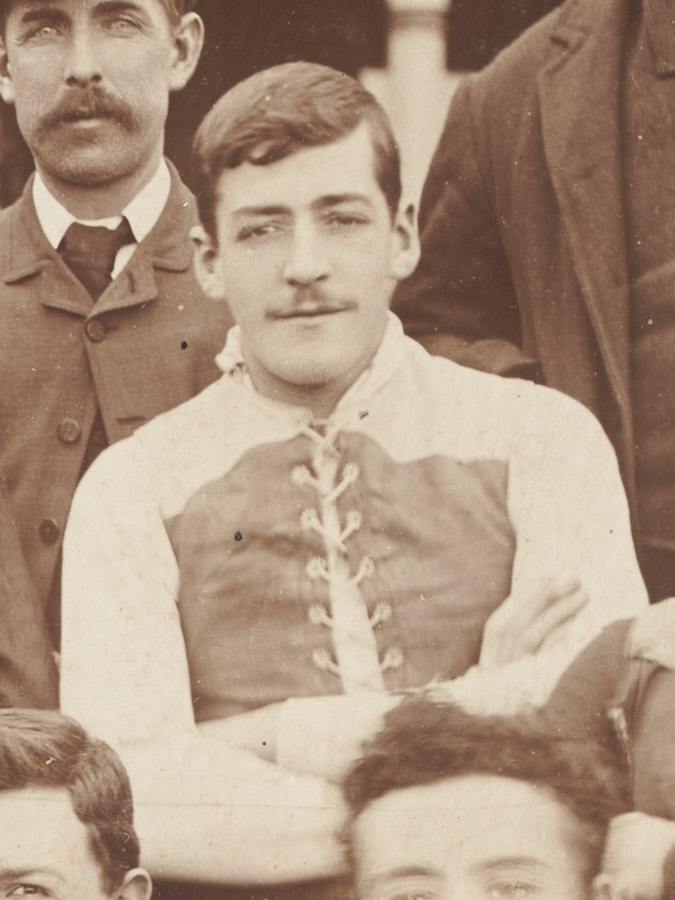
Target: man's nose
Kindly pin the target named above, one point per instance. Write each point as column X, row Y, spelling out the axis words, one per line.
column 83, row 64
column 308, row 259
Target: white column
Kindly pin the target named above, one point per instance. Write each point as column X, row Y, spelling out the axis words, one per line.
column 417, row 86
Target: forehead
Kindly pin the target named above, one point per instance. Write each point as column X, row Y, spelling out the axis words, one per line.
column 20, row 7
column 39, row 829
column 343, row 167
column 459, row 825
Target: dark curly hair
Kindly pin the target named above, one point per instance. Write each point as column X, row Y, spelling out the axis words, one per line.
column 42, row 748
column 423, row 742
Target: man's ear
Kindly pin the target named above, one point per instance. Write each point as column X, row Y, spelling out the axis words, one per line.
column 406, row 251
column 206, row 270
column 136, row 886
column 188, row 40
column 602, row 888
column 6, row 81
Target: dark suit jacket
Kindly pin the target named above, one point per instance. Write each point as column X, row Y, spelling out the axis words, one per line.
column 523, row 267
column 147, row 345
column 28, row 674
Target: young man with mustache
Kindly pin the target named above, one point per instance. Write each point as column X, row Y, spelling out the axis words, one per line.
column 262, row 571
column 102, row 323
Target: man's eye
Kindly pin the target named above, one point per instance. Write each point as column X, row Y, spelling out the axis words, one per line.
column 413, row 895
column 251, row 232
column 511, row 890
column 123, row 25
column 408, row 892
column 28, row 890
column 43, row 32
column 346, row 220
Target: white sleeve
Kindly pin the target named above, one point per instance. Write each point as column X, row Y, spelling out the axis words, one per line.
column 204, row 810
column 124, row 670
column 570, row 516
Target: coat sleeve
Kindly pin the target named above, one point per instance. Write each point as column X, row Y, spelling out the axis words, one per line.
column 28, row 676
column 205, row 810
column 460, row 302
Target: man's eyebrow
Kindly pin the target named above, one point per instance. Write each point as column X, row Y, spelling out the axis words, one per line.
column 39, row 8
column 108, row 6
column 404, row 872
column 337, row 199
column 504, row 863
column 7, row 875
column 261, row 211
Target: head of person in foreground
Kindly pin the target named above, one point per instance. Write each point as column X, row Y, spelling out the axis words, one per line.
column 66, row 813
column 449, row 806
column 299, row 190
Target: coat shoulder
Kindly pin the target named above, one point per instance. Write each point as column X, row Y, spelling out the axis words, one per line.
column 517, row 66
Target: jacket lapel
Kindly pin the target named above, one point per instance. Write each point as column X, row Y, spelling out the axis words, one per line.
column 580, row 102
column 30, row 256
column 166, row 247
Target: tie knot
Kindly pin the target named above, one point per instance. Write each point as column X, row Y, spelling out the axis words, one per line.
column 90, row 251
column 96, row 245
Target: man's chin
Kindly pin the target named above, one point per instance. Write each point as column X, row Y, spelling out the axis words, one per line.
column 87, row 167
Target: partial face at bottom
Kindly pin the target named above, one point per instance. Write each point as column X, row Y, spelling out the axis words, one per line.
column 45, row 851
column 44, row 848
column 476, row 837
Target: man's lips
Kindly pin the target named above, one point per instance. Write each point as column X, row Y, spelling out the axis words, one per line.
column 309, row 312
column 84, row 119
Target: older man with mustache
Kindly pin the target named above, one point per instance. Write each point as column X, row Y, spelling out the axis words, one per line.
column 102, row 324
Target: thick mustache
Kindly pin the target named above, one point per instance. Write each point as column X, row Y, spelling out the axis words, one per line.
column 93, row 103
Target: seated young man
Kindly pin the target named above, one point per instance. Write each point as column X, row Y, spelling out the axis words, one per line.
column 448, row 805
column 254, row 577
column 66, row 814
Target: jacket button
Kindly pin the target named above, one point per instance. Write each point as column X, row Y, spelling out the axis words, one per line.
column 69, row 431
column 48, row 531
column 95, row 330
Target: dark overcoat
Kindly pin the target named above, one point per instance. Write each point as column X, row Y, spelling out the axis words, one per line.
column 28, row 676
column 523, row 267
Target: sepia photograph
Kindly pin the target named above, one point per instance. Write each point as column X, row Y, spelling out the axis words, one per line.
column 337, row 518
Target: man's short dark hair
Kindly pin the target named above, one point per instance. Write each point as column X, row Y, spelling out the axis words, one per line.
column 424, row 742
column 42, row 748
column 281, row 110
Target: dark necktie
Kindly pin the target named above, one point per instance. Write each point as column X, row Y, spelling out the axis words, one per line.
column 89, row 251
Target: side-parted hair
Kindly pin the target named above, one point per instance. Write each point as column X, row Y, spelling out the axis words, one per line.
column 423, row 742
column 42, row 748
column 281, row 110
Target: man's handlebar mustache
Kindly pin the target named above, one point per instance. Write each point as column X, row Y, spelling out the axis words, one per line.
column 89, row 104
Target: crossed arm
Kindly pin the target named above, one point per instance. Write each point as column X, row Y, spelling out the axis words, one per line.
column 254, row 799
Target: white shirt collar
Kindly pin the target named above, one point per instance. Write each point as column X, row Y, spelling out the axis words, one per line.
column 142, row 213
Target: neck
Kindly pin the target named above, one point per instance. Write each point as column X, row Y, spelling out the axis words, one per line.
column 321, row 400
column 104, row 200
